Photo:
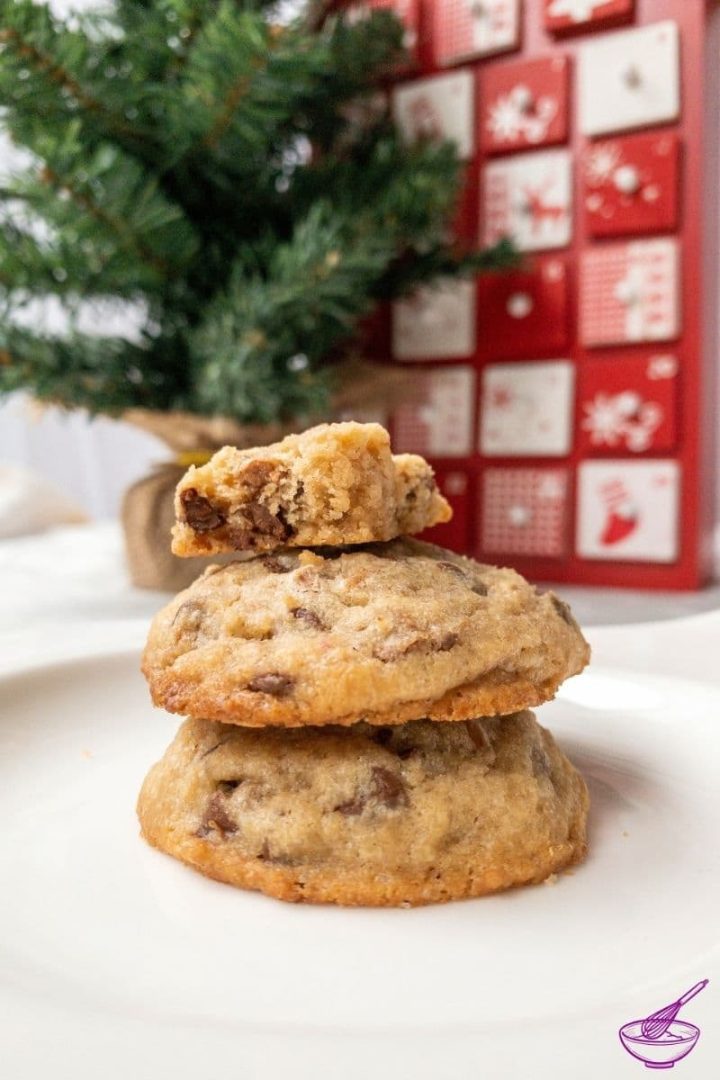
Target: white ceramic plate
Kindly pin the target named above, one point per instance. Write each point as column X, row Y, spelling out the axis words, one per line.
column 117, row 962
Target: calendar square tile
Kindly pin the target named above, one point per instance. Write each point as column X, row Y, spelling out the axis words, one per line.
column 524, row 512
column 524, row 104
column 527, row 409
column 436, row 323
column 629, row 510
column 629, row 404
column 463, row 29
column 440, row 107
column 632, row 184
column 630, row 293
column 524, row 312
column 562, row 15
column 439, row 421
column 529, row 199
column 629, row 79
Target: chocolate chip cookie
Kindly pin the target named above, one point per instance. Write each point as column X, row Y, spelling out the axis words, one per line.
column 400, row 815
column 382, row 633
column 334, row 484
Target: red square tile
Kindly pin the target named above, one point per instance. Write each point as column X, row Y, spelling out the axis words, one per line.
column 567, row 15
column 524, row 313
column 462, row 29
column 524, row 104
column 628, row 404
column 632, row 185
column 524, row 512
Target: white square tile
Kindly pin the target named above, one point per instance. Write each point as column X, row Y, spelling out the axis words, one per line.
column 628, row 511
column 629, row 79
column 441, row 107
column 438, row 322
column 527, row 409
column 528, row 197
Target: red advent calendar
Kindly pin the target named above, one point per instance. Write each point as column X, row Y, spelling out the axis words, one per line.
column 567, row 405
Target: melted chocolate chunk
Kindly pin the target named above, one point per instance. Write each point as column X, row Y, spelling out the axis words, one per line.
column 256, row 475
column 274, row 682
column 386, row 789
column 228, row 786
column 200, row 514
column 266, row 523
column 216, row 818
column 448, row 641
column 309, row 617
column 382, row 735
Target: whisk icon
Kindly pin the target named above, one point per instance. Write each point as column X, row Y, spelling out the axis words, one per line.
column 655, row 1025
column 660, row 1040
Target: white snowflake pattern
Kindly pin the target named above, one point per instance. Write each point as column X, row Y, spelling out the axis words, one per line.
column 622, row 419
column 601, row 162
column 505, row 120
column 577, row 10
column 517, row 114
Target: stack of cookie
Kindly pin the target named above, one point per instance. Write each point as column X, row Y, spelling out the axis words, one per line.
column 359, row 734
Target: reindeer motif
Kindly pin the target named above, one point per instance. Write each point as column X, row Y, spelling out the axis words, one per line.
column 538, row 209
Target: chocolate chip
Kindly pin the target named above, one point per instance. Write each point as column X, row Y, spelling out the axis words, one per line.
column 216, row 818
column 266, row 855
column 256, row 474
column 200, row 514
column 228, row 786
column 562, row 609
column 273, row 682
column 448, row 641
column 388, row 788
column 479, row 588
column 385, row 788
column 405, row 752
column 266, row 523
column 309, row 617
column 382, row 735
column 276, row 565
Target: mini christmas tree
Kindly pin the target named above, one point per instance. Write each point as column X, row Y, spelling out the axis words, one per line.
column 238, row 179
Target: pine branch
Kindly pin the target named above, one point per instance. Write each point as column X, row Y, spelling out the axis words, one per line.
column 100, row 374
column 110, row 206
column 261, row 345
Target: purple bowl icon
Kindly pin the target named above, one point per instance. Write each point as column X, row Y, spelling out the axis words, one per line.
column 662, row 1053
